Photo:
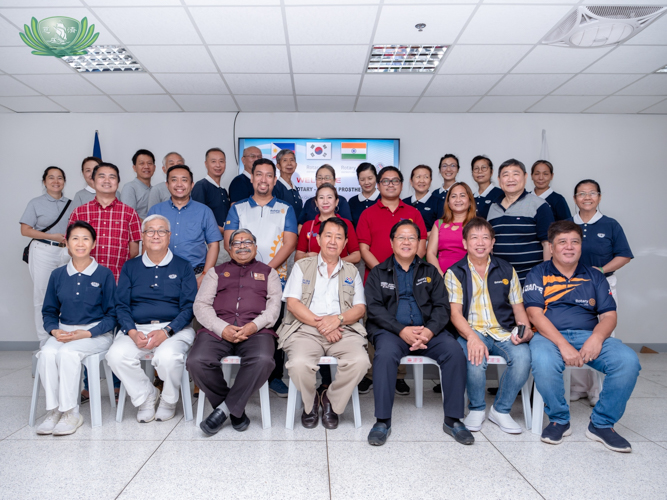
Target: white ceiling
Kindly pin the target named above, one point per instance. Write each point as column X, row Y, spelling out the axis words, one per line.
column 310, row 55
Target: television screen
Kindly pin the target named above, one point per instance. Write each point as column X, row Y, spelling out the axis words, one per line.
column 344, row 155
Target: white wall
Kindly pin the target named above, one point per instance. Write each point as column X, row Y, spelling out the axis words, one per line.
column 625, row 153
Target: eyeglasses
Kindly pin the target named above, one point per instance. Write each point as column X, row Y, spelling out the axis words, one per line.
column 324, row 178
column 422, row 177
column 395, row 181
column 161, row 232
column 244, row 243
column 477, row 170
column 592, row 194
column 252, row 156
column 403, row 239
column 449, row 165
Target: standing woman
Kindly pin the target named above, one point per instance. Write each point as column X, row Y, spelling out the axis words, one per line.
column 420, row 180
column 445, row 245
column 449, row 169
column 487, row 192
column 542, row 173
column 45, row 221
column 79, row 316
column 325, row 173
column 88, row 193
column 367, row 177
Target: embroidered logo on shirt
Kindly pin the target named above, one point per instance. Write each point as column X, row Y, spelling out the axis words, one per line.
column 349, row 281
column 305, row 282
column 173, row 276
column 592, row 302
column 487, row 201
column 94, row 283
column 506, row 281
column 532, row 287
column 601, row 235
column 427, row 208
column 259, row 276
column 421, row 281
column 276, row 211
column 225, row 274
column 388, row 286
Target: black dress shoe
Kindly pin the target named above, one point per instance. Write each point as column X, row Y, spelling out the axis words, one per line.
column 309, row 420
column 214, row 422
column 329, row 417
column 459, row 432
column 402, row 387
column 240, row 424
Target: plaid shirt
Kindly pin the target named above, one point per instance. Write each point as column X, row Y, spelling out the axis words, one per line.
column 116, row 225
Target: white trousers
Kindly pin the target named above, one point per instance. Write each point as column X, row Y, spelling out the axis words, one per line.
column 124, row 358
column 59, row 365
column 42, row 261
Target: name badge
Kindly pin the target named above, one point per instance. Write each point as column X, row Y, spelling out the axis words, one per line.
column 258, row 276
column 172, row 276
column 94, row 283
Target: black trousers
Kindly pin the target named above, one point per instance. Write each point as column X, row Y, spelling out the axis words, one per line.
column 390, row 348
column 256, row 364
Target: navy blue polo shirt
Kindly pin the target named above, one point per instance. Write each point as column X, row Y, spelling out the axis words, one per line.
column 310, row 210
column 569, row 303
column 485, row 199
column 438, row 199
column 289, row 195
column 80, row 298
column 241, row 187
column 557, row 203
column 408, row 312
column 426, row 208
column 604, row 239
column 148, row 292
column 209, row 193
column 359, row 203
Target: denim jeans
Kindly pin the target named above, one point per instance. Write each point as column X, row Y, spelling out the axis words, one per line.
column 617, row 361
column 514, row 378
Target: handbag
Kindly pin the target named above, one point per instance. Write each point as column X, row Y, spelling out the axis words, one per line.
column 26, row 250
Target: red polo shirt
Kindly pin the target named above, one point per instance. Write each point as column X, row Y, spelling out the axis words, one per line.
column 308, row 239
column 375, row 225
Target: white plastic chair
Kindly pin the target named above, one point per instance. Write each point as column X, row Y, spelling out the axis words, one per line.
column 92, row 364
column 294, row 401
column 186, row 394
column 227, row 365
column 538, row 401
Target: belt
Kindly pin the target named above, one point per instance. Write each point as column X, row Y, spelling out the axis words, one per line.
column 199, row 269
column 49, row 242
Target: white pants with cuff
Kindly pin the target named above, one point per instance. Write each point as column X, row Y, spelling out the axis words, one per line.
column 168, row 359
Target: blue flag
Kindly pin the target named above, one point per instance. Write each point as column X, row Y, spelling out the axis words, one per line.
column 97, row 151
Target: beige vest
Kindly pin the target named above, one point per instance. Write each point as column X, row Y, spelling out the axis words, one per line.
column 308, row 267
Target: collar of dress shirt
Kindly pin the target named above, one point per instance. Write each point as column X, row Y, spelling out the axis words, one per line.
column 594, row 219
column 149, row 263
column 372, row 197
column 322, row 267
column 413, row 198
column 210, row 179
column 88, row 271
column 546, row 193
column 486, row 191
column 247, row 174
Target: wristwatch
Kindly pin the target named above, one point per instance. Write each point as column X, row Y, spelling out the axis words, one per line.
column 168, row 330
column 340, row 318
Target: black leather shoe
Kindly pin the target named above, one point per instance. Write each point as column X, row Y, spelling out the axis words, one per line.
column 329, row 417
column 240, row 424
column 459, row 432
column 214, row 422
column 309, row 420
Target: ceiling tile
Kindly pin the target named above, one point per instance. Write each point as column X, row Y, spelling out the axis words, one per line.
column 146, row 25
column 629, row 59
column 206, row 102
column 624, row 104
column 564, row 104
column 528, row 84
column 125, row 83
column 265, row 103
column 595, row 84
column 512, row 104
column 192, row 84
column 11, row 87
column 326, row 25
column 329, row 59
column 40, row 3
column 232, row 2
column 569, row 2
column 387, row 2
column 9, row 35
column 461, row 85
column 5, row 110
column 259, row 84
column 331, row 2
column 322, row 85
column 548, row 59
column 251, row 58
column 487, row 59
column 146, row 103
column 660, row 108
column 392, row 84
column 445, row 104
column 326, row 103
column 174, row 58
column 19, row 60
column 35, row 104
column 88, row 104
column 59, row 84
column 650, row 85
column 133, row 3
column 443, row 23
column 512, row 23
column 388, row 104
column 236, row 25
column 655, row 34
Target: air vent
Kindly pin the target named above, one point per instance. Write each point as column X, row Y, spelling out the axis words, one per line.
column 104, row 59
column 405, row 58
column 600, row 25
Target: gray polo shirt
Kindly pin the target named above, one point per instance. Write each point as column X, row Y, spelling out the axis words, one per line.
column 82, row 197
column 159, row 193
column 135, row 194
column 42, row 211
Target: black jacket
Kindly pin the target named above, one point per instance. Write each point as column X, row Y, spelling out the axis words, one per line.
column 382, row 297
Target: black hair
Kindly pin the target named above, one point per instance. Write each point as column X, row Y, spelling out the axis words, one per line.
column 587, row 181
column 481, row 157
column 478, row 223
column 90, row 158
column 545, row 162
column 430, row 170
column 336, row 221
column 405, row 222
column 563, row 226
column 263, row 161
column 511, row 163
column 109, row 165
column 83, row 225
column 366, row 166
column 215, row 149
column 329, row 186
column 390, row 168
column 184, row 167
column 136, row 155
column 46, row 172
column 449, row 155
column 329, row 168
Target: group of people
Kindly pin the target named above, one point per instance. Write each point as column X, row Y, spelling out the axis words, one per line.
column 446, row 274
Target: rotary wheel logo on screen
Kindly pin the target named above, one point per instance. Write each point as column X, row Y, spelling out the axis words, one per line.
column 59, row 36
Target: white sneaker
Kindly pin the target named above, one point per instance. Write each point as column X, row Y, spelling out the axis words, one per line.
column 146, row 412
column 68, row 423
column 504, row 421
column 576, row 396
column 165, row 411
column 51, row 420
column 593, row 400
column 474, row 420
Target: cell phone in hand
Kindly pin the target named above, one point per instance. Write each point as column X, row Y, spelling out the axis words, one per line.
column 520, row 329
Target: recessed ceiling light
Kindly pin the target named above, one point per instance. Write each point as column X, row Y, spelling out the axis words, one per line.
column 104, row 58
column 662, row 70
column 405, row 58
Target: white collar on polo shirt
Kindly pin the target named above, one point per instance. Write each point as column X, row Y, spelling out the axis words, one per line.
column 210, row 179
column 372, row 197
column 149, row 263
column 90, row 190
column 285, row 183
column 546, row 193
column 88, row 271
column 485, row 193
column 322, row 267
column 594, row 219
column 442, row 190
column 413, row 198
column 247, row 174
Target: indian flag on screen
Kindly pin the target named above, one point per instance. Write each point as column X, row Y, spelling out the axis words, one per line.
column 353, row 150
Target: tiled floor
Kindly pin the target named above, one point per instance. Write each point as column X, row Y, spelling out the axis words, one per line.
column 175, row 460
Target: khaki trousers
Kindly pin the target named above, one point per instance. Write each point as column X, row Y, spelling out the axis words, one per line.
column 304, row 349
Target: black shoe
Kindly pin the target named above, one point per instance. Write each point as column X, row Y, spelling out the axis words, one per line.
column 241, row 423
column 379, row 434
column 310, row 420
column 555, row 432
column 214, row 422
column 365, row 385
column 437, row 389
column 609, row 438
column 401, row 387
column 459, row 432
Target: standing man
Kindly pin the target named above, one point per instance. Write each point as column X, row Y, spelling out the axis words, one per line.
column 487, row 192
column 195, row 234
column 449, row 169
column 135, row 193
column 241, row 187
column 285, row 190
column 159, row 191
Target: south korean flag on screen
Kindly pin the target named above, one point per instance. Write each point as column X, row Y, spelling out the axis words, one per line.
column 318, row 150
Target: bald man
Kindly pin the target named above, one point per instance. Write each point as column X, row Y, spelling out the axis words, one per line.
column 241, row 187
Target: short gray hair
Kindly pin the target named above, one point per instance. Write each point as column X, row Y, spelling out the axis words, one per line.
column 284, row 152
column 164, row 160
column 242, row 231
column 152, row 218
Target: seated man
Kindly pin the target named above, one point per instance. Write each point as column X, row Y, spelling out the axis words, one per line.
column 325, row 301
column 408, row 313
column 571, row 306
column 485, row 298
column 237, row 305
column 154, row 307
